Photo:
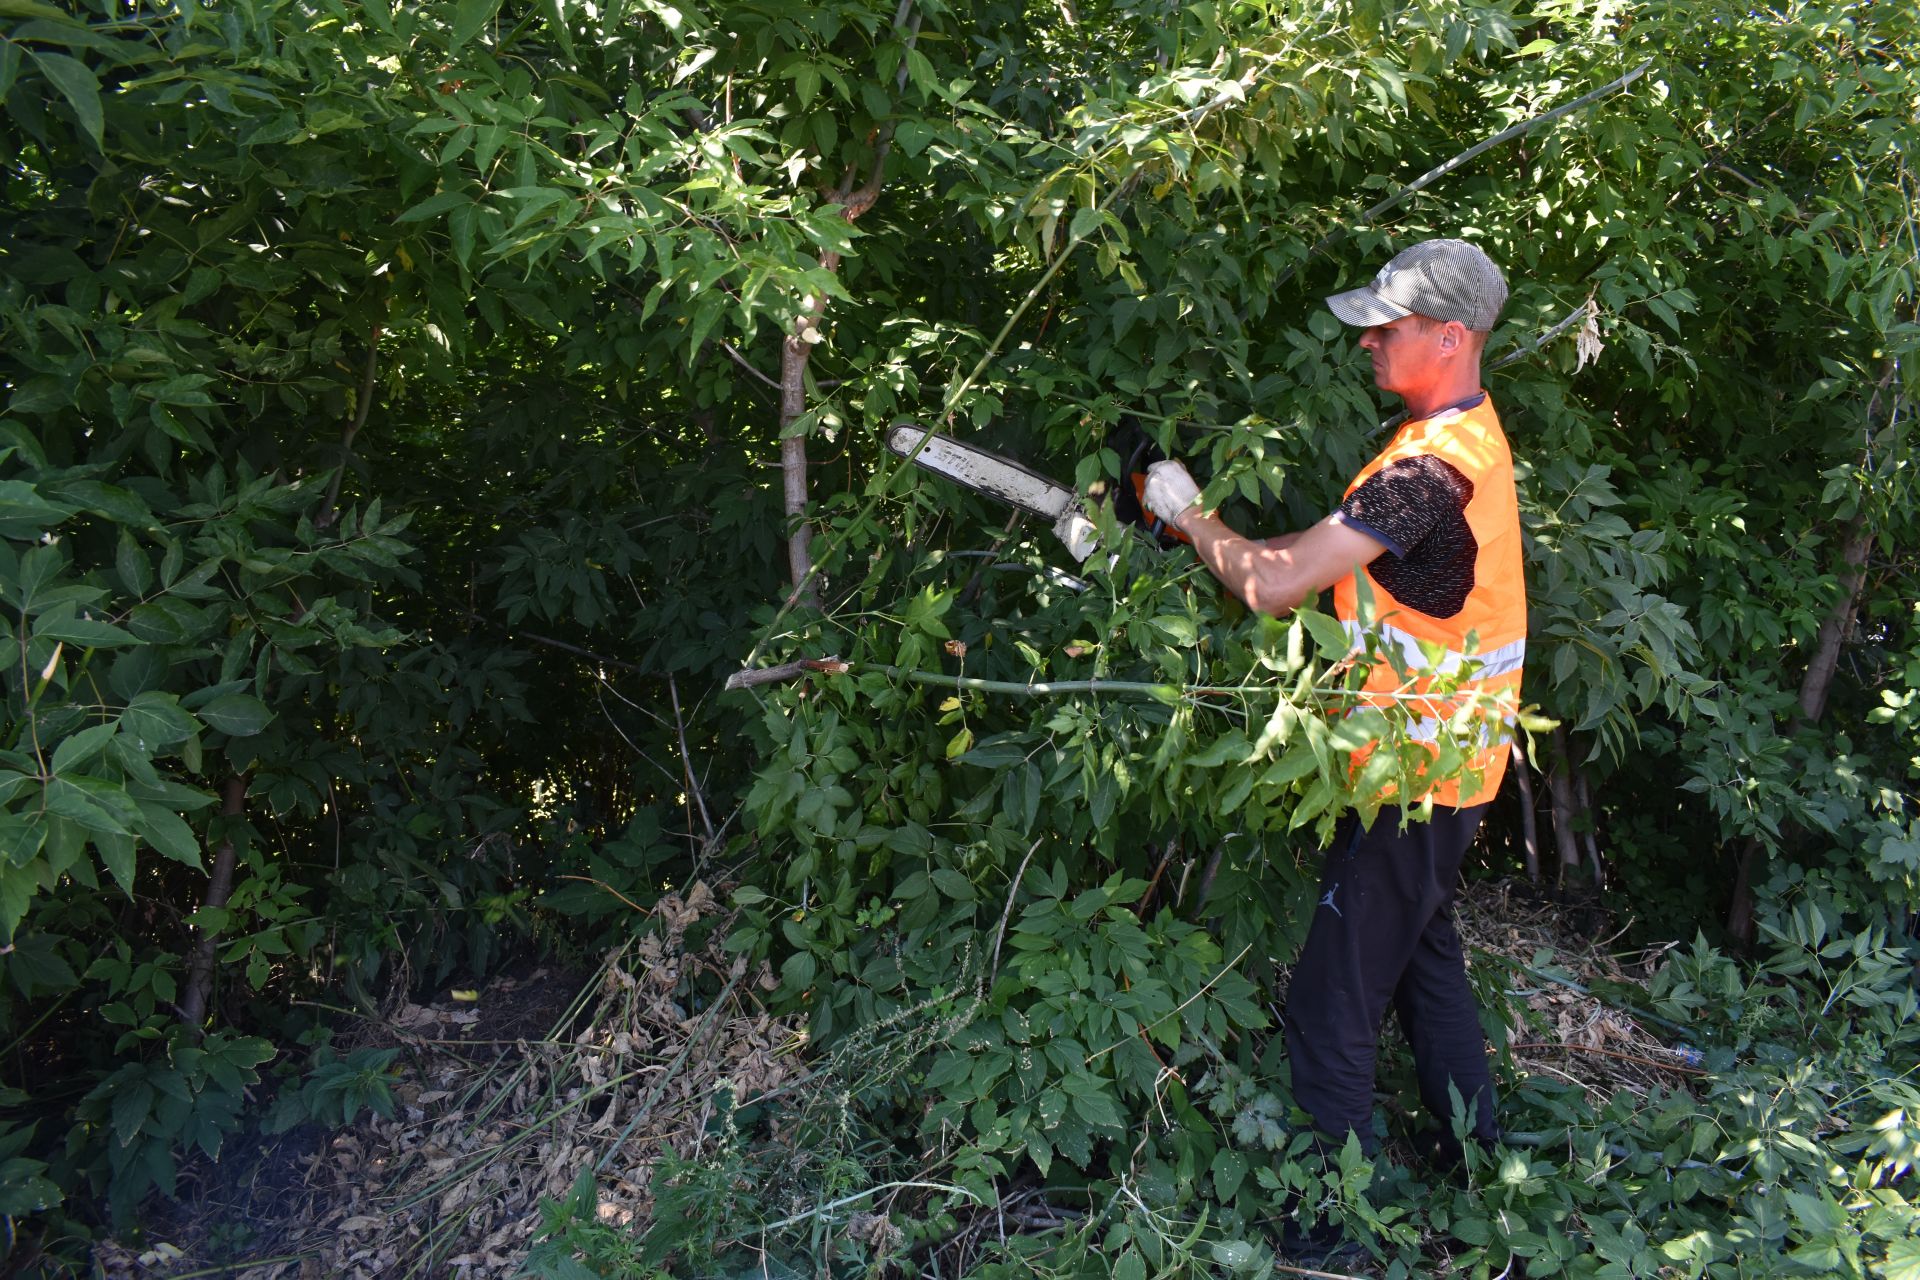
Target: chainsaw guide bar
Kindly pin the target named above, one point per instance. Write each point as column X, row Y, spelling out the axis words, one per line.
column 987, row 473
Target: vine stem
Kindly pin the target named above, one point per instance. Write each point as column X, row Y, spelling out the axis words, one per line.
column 1039, row 688
column 858, row 1196
column 1224, row 970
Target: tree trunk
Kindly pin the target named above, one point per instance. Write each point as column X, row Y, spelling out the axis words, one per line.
column 794, row 354
column 1818, row 682
column 1814, row 688
column 796, row 349
column 200, row 966
column 1834, row 630
column 1560, row 785
column 1529, row 820
column 1583, row 797
column 330, row 508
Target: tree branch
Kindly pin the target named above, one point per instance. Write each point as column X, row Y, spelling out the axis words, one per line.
column 749, row 366
column 1541, row 339
column 1440, row 171
column 360, row 410
column 1529, row 817
column 200, row 960
column 796, row 348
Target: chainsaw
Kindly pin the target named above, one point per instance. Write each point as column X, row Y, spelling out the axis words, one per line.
column 1025, row 489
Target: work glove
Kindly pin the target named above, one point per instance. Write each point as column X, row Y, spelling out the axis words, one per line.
column 1170, row 491
column 1076, row 531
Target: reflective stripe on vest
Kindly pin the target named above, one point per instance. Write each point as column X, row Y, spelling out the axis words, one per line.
column 1507, row 658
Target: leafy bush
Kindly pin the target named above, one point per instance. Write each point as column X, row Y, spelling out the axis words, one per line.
column 387, row 481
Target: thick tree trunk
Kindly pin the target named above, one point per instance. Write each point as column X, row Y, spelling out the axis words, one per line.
column 200, row 966
column 1529, row 819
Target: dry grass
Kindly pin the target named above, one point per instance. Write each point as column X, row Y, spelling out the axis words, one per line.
column 486, row 1126
column 1570, row 1036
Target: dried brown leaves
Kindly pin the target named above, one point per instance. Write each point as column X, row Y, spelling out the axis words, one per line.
column 455, row 1178
column 1571, row 1036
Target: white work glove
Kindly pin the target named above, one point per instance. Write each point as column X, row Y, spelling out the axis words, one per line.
column 1076, row 531
column 1170, row 491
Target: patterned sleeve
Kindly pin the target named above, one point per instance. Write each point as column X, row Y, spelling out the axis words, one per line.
column 1401, row 503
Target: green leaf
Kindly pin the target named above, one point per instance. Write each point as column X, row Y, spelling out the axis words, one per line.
column 1902, row 1261
column 912, row 137
column 83, row 747
column 132, row 1103
column 558, row 24
column 34, row 10
column 1329, row 637
column 168, row 834
column 116, row 854
column 953, row 884
column 435, row 205
column 24, row 512
column 797, row 973
column 155, row 720
column 62, row 623
column 1229, row 1171
column 99, row 806
column 20, row 839
column 131, row 564
column 240, row 715
column 80, row 87
column 469, row 18
column 996, row 752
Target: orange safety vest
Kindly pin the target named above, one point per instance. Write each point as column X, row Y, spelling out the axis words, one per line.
column 1490, row 629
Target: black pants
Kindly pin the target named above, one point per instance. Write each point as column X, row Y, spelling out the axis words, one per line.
column 1383, row 932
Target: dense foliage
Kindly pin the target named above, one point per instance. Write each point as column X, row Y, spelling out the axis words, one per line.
column 397, row 409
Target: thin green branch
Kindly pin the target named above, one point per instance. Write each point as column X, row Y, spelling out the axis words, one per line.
column 1442, row 170
column 856, row 1197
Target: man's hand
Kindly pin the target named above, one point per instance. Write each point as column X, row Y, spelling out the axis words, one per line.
column 1170, row 491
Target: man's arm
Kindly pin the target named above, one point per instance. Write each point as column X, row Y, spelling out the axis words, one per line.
column 1275, row 579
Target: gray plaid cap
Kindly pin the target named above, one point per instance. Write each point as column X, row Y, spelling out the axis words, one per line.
column 1439, row 279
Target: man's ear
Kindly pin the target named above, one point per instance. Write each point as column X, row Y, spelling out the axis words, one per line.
column 1453, row 337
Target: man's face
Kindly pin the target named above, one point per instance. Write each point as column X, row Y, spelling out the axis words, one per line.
column 1406, row 353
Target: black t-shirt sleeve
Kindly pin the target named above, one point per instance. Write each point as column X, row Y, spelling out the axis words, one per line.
column 1404, row 501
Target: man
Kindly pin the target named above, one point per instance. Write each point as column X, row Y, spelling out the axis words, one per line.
column 1433, row 523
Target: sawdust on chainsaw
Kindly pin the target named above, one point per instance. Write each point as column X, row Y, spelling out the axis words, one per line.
column 486, row 1126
